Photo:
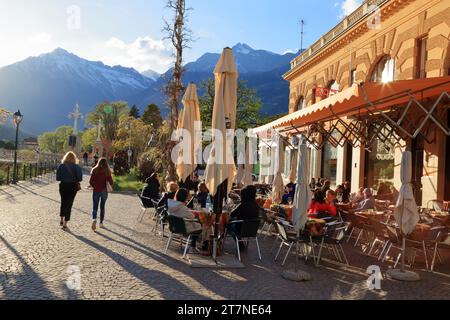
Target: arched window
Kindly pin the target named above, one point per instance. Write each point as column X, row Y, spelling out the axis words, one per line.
column 334, row 87
column 384, row 71
column 300, row 104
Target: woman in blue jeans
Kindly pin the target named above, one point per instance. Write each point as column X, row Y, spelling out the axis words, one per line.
column 100, row 176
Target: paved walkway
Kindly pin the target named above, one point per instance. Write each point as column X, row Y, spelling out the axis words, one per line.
column 125, row 260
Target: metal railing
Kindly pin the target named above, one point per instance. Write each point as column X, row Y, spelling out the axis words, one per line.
column 364, row 11
column 34, row 172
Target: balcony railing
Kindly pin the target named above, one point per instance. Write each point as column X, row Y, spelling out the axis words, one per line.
column 362, row 12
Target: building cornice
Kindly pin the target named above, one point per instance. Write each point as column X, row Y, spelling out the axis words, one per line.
column 352, row 27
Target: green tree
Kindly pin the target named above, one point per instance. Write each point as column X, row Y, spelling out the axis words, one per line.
column 269, row 118
column 109, row 114
column 57, row 141
column 134, row 112
column 248, row 105
column 152, row 116
column 133, row 133
column 159, row 155
column 3, row 114
column 88, row 139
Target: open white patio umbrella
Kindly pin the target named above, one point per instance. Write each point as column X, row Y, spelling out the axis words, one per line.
column 278, row 182
column 190, row 114
column 220, row 165
column 406, row 214
column 300, row 206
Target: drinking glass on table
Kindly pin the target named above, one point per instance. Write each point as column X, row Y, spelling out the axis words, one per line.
column 290, row 200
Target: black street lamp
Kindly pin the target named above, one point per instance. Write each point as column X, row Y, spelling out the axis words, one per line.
column 18, row 117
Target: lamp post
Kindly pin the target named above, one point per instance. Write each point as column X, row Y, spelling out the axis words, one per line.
column 18, row 117
column 130, row 152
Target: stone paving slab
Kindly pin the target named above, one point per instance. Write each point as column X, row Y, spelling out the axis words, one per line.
column 126, row 261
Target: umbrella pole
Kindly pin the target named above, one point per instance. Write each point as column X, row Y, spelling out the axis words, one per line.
column 296, row 256
column 218, row 206
column 402, row 268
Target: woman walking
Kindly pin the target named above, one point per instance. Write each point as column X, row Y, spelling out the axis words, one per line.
column 100, row 176
column 70, row 175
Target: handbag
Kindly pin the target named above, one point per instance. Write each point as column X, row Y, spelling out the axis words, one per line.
column 77, row 183
column 109, row 187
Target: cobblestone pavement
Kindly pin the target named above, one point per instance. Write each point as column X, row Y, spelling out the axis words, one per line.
column 126, row 261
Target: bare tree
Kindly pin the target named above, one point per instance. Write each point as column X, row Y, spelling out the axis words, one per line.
column 180, row 36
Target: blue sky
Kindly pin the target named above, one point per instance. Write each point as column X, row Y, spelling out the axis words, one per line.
column 129, row 32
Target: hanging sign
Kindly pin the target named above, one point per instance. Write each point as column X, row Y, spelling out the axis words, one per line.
column 323, row 93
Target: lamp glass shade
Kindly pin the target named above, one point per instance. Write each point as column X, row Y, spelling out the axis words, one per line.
column 18, row 117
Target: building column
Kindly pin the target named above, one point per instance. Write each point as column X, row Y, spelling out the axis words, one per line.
column 358, row 168
column 341, row 164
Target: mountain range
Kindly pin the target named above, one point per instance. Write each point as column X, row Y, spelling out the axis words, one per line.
column 46, row 88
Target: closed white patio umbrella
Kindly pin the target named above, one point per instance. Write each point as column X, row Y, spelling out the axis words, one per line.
column 278, row 182
column 190, row 114
column 247, row 180
column 406, row 215
column 293, row 172
column 300, row 206
column 220, row 166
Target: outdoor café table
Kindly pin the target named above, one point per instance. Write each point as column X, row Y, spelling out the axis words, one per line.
column 420, row 233
column 378, row 215
column 343, row 206
column 207, row 221
column 442, row 218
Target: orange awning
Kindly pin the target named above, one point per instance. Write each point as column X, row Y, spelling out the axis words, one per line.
column 362, row 99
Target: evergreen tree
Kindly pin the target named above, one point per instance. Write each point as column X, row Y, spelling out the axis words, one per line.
column 134, row 112
column 152, row 116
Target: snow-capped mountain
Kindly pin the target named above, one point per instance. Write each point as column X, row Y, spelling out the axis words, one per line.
column 153, row 75
column 262, row 70
column 47, row 87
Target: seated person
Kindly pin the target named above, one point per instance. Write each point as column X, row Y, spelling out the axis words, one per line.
column 347, row 190
column 290, row 194
column 178, row 208
column 248, row 209
column 172, row 188
column 367, row 204
column 326, row 186
column 202, row 194
column 151, row 190
column 312, row 184
column 357, row 197
column 321, row 207
column 340, row 193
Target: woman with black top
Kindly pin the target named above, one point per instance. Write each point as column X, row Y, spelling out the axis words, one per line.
column 248, row 209
column 151, row 191
column 70, row 175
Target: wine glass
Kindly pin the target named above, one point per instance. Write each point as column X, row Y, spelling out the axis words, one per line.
column 290, row 200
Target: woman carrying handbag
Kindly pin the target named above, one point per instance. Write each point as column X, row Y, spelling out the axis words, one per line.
column 101, row 180
column 70, row 175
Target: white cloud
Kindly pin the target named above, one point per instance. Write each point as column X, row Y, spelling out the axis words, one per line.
column 41, row 38
column 348, row 6
column 290, row 51
column 142, row 54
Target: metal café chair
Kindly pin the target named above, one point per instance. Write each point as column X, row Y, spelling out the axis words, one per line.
column 246, row 230
column 177, row 226
column 144, row 207
column 442, row 241
column 334, row 234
